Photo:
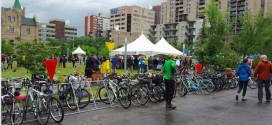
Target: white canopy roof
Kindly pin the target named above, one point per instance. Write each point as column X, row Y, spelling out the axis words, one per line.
column 163, row 47
column 140, row 46
column 79, row 51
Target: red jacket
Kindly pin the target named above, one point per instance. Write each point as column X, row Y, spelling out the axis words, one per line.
column 263, row 70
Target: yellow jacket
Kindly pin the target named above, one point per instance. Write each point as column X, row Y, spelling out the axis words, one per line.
column 105, row 67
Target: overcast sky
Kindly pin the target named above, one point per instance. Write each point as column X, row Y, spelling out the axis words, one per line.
column 74, row 11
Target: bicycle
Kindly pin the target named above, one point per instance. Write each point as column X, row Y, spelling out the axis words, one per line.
column 40, row 103
column 74, row 93
column 10, row 100
column 112, row 90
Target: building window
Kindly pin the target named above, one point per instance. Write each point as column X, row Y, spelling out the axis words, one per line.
column 28, row 31
column 9, row 18
column 13, row 19
column 11, row 29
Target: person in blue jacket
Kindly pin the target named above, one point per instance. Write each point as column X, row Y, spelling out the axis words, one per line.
column 244, row 72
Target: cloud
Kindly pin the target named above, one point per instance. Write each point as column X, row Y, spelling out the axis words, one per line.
column 74, row 11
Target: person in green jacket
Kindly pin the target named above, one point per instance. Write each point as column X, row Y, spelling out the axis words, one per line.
column 169, row 70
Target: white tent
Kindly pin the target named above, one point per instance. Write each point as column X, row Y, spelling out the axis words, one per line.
column 163, row 47
column 140, row 46
column 79, row 51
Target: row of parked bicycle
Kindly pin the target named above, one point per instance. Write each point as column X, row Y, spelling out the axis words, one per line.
column 43, row 101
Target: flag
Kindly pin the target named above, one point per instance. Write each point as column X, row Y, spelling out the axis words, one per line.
column 110, row 45
column 51, row 67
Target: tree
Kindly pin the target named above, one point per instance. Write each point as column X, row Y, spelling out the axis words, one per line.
column 7, row 48
column 31, row 55
column 256, row 35
column 211, row 43
column 152, row 39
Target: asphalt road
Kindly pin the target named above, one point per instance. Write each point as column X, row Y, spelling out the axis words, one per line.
column 216, row 109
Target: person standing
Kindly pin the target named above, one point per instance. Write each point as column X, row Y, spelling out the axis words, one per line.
column 114, row 62
column 262, row 73
column 64, row 61
column 10, row 61
column 169, row 70
column 244, row 72
column 89, row 67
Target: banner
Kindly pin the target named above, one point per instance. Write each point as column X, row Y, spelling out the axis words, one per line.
column 110, row 45
column 51, row 66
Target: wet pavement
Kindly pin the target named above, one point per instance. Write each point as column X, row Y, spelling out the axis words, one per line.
column 219, row 108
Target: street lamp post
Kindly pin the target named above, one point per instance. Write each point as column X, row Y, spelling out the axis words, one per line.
column 125, row 67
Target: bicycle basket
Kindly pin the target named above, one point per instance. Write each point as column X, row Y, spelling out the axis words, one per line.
column 229, row 75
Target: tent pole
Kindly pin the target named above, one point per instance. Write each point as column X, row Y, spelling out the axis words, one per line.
column 125, row 67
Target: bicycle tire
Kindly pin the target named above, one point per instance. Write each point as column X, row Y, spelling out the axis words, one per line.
column 102, row 91
column 136, row 95
column 58, row 108
column 124, row 98
column 15, row 114
column 181, row 89
column 145, row 95
column 44, row 111
column 154, row 96
column 208, row 86
column 252, row 84
column 232, row 83
column 81, row 95
column 161, row 92
column 69, row 96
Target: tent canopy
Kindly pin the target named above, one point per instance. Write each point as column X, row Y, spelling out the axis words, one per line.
column 79, row 51
column 163, row 47
column 140, row 46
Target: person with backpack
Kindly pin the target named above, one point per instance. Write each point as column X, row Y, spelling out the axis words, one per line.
column 244, row 72
column 262, row 72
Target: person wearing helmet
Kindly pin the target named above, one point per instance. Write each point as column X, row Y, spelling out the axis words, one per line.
column 169, row 70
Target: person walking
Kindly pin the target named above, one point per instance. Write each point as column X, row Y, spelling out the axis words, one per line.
column 262, row 73
column 244, row 72
column 169, row 70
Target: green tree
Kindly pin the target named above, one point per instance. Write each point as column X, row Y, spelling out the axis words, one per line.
column 31, row 55
column 7, row 48
column 256, row 36
column 211, row 43
column 152, row 39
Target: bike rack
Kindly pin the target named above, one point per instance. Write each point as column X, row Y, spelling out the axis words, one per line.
column 93, row 99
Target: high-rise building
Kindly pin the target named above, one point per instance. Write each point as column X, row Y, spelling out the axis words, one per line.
column 96, row 25
column 184, row 31
column 194, row 9
column 15, row 26
column 157, row 10
column 131, row 19
column 56, row 29
column 239, row 7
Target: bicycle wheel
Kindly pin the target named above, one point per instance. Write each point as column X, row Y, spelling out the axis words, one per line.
column 56, row 110
column 84, row 98
column 252, row 84
column 181, row 89
column 161, row 92
column 232, row 83
column 43, row 112
column 124, row 98
column 208, row 86
column 136, row 95
column 16, row 114
column 154, row 95
column 104, row 97
column 70, row 99
column 144, row 96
